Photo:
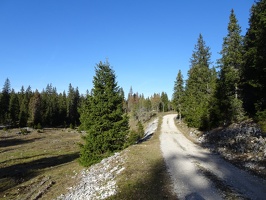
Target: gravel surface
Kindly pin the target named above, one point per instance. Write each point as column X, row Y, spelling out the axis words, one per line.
column 97, row 182
column 198, row 174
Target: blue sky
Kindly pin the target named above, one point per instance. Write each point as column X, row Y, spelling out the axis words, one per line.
column 145, row 41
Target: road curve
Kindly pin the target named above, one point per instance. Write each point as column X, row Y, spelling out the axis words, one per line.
column 198, row 174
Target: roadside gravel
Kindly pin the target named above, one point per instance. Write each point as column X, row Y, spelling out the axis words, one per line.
column 97, row 182
column 198, row 174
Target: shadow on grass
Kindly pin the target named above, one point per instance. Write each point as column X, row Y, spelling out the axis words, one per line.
column 22, row 158
column 13, row 175
column 153, row 185
column 15, row 141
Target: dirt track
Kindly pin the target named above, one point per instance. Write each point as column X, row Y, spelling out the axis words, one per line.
column 198, row 174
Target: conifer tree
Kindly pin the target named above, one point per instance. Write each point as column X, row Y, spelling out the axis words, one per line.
column 13, row 108
column 178, row 95
column 4, row 101
column 72, row 105
column 102, row 117
column 22, row 108
column 62, row 100
column 164, row 102
column 130, row 100
column 254, row 67
column 231, row 109
column 50, row 105
column 35, row 109
column 199, row 85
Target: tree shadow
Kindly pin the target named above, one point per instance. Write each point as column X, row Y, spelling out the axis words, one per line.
column 15, row 141
column 13, row 175
column 231, row 181
column 22, row 158
column 154, row 185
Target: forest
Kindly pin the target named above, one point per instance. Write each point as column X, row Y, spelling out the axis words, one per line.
column 232, row 91
column 49, row 108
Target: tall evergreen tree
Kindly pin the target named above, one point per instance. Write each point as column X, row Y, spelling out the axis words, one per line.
column 4, row 101
column 13, row 108
column 164, row 102
column 50, row 108
column 72, row 105
column 254, row 67
column 199, row 85
column 231, row 108
column 130, row 100
column 62, row 100
column 23, row 118
column 35, row 117
column 102, row 117
column 178, row 95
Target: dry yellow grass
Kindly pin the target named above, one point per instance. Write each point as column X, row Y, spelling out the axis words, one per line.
column 38, row 165
column 44, row 165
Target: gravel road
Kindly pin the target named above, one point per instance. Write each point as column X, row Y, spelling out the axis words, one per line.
column 198, row 174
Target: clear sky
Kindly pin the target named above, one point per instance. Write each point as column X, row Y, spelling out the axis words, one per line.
column 145, row 41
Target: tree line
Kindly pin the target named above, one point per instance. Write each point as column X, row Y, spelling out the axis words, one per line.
column 52, row 109
column 46, row 108
column 211, row 97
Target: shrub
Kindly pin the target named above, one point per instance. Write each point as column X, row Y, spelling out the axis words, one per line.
column 261, row 119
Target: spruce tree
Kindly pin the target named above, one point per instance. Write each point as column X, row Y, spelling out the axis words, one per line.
column 72, row 105
column 102, row 117
column 230, row 105
column 62, row 101
column 178, row 95
column 254, row 67
column 199, row 86
column 165, row 102
column 4, row 102
column 13, row 108
column 35, row 117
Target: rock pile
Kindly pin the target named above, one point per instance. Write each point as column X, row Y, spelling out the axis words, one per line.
column 97, row 182
column 243, row 142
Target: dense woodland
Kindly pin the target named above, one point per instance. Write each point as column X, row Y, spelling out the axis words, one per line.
column 230, row 91
column 234, row 89
column 46, row 108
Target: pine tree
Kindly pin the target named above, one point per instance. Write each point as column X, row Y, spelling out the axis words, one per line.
column 231, row 109
column 178, row 95
column 4, row 102
column 199, row 85
column 13, row 108
column 254, row 67
column 50, row 108
column 102, row 117
column 62, row 101
column 130, row 100
column 72, row 105
column 165, row 102
column 35, row 117
column 22, row 108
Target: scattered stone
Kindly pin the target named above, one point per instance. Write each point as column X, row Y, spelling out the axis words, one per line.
column 97, row 182
column 242, row 143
